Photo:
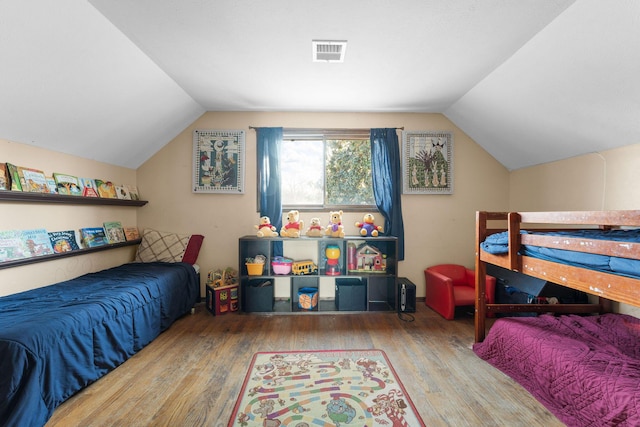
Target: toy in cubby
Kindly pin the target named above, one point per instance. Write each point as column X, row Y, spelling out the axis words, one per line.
column 368, row 259
column 281, row 265
column 332, row 252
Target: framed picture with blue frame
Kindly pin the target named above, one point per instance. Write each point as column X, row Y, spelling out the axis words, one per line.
column 427, row 162
column 218, row 161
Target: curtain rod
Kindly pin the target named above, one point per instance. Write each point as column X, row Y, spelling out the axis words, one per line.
column 294, row 129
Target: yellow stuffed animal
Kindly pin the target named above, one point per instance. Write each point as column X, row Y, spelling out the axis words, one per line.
column 293, row 225
column 265, row 228
column 335, row 227
column 367, row 228
column 315, row 229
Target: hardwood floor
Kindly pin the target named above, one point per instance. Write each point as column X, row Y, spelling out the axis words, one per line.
column 191, row 375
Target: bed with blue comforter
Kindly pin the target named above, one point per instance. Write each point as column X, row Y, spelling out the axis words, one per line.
column 498, row 244
column 58, row 339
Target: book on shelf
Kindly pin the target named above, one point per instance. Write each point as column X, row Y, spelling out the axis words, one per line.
column 11, row 246
column 63, row 241
column 51, row 183
column 5, row 183
column 14, row 177
column 37, row 242
column 88, row 187
column 33, row 180
column 133, row 192
column 93, row 237
column 131, row 233
column 122, row 192
column 114, row 232
column 67, row 184
column 106, row 189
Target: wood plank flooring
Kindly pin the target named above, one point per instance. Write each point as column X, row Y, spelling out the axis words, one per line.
column 192, row 374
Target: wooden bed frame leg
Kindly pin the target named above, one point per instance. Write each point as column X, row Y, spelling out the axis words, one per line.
column 606, row 305
column 481, row 272
column 481, row 308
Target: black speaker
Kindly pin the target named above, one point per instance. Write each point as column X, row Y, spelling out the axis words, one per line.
column 406, row 296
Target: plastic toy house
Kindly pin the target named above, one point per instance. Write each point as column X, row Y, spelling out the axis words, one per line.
column 369, row 258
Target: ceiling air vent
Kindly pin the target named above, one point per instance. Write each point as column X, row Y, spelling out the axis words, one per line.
column 329, row 50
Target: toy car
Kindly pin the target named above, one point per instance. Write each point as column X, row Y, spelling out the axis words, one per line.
column 303, row 267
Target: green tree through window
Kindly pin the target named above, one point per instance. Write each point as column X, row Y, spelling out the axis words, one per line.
column 348, row 172
column 321, row 172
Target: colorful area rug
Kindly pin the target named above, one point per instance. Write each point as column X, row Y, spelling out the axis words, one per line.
column 323, row 388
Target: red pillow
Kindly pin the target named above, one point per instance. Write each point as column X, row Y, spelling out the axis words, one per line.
column 193, row 249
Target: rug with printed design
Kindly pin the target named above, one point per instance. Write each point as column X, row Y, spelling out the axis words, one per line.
column 328, row 388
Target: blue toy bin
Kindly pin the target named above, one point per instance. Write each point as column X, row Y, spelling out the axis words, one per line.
column 307, row 298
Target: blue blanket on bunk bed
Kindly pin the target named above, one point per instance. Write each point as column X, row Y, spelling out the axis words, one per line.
column 498, row 244
column 58, row 339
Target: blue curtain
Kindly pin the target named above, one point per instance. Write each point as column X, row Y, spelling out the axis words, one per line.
column 268, row 141
column 387, row 185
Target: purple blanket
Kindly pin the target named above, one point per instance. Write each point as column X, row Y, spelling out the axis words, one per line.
column 585, row 370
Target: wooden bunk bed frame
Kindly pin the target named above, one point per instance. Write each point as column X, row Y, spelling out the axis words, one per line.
column 608, row 287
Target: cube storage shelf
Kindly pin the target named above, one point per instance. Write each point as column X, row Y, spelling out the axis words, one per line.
column 361, row 271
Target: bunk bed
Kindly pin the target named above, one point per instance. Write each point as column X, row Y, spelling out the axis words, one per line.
column 579, row 360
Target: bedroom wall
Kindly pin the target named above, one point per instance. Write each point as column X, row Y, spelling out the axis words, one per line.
column 56, row 217
column 597, row 181
column 438, row 228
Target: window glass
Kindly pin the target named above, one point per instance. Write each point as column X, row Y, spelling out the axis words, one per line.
column 323, row 172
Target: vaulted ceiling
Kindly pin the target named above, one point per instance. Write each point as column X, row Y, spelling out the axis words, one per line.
column 531, row 81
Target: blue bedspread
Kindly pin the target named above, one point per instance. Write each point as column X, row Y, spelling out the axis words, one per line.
column 58, row 339
column 498, row 244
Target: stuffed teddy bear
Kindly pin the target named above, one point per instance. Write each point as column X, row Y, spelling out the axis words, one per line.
column 265, row 228
column 335, row 227
column 315, row 229
column 293, row 225
column 367, row 228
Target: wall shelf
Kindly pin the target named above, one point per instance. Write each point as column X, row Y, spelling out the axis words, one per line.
column 25, row 197
column 50, row 257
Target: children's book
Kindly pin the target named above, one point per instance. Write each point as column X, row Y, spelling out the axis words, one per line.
column 106, row 189
column 5, row 183
column 14, row 177
column 37, row 242
column 88, row 187
column 67, row 184
column 11, row 246
column 51, row 183
column 122, row 191
column 114, row 232
column 133, row 192
column 33, row 180
column 93, row 236
column 131, row 233
column 63, row 241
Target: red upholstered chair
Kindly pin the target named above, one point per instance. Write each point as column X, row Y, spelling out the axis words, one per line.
column 451, row 285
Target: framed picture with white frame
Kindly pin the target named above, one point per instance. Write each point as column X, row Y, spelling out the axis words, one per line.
column 427, row 162
column 218, row 161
